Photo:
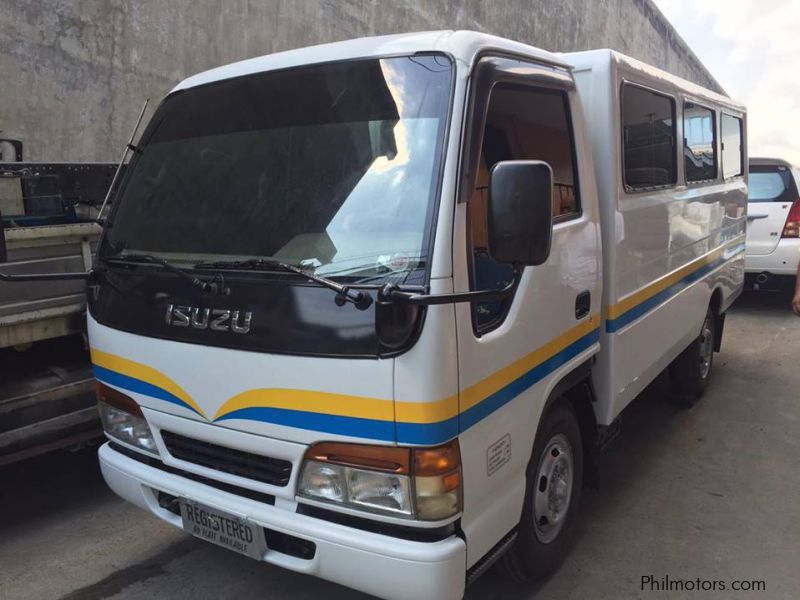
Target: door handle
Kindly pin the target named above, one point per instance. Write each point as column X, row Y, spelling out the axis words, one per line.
column 583, row 304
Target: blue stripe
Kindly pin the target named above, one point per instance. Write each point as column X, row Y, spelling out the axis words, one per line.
column 428, row 434
column 406, row 433
column 136, row 385
column 435, row 433
column 646, row 306
column 506, row 394
column 352, row 426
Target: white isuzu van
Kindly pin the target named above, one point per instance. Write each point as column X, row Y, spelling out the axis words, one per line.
column 368, row 310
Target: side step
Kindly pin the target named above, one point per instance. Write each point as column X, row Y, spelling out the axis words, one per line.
column 491, row 557
column 608, row 433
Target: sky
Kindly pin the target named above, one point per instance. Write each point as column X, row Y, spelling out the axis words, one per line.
column 752, row 48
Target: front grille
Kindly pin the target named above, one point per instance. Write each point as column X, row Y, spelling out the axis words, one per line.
column 265, row 469
column 225, row 487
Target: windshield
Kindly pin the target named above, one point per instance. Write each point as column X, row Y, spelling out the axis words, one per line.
column 331, row 167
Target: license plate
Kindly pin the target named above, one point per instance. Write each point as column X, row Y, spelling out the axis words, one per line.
column 223, row 529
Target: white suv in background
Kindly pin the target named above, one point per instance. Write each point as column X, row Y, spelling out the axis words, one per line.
column 773, row 222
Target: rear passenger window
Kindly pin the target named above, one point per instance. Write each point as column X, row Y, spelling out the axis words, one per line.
column 648, row 138
column 770, row 184
column 699, row 143
column 732, row 162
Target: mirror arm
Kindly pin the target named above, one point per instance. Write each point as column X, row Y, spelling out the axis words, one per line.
column 392, row 293
column 45, row 277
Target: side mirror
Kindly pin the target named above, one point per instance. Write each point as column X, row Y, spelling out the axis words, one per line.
column 520, row 213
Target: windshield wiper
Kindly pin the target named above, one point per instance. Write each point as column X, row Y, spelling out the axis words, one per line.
column 360, row 299
column 214, row 287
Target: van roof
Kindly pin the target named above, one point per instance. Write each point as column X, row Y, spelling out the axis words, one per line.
column 462, row 45
column 660, row 79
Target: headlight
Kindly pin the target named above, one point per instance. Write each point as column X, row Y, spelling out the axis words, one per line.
column 123, row 420
column 421, row 483
column 357, row 487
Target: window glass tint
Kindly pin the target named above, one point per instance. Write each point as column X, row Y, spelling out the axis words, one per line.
column 332, row 167
column 731, row 146
column 648, row 138
column 521, row 124
column 770, row 184
column 699, row 144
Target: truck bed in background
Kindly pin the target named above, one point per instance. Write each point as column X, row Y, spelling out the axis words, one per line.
column 35, row 311
column 48, row 214
column 46, row 398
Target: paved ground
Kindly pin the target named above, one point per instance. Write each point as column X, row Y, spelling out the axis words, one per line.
column 713, row 493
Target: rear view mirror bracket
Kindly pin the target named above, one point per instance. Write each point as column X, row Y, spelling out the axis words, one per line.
column 392, row 293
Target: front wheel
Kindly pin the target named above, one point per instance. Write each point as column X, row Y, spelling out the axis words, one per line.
column 553, row 490
column 691, row 371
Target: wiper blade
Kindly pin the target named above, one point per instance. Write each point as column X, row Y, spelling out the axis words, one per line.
column 214, row 287
column 360, row 299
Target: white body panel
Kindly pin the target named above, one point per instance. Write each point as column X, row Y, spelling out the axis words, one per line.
column 203, row 379
column 666, row 251
column 451, row 382
column 767, row 250
column 518, row 364
column 781, row 261
column 765, row 221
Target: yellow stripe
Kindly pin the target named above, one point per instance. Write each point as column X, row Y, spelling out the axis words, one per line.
column 427, row 412
column 499, row 379
column 441, row 410
column 358, row 406
column 310, row 401
column 613, row 311
column 141, row 372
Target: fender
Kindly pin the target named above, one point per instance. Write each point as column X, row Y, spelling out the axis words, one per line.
column 576, row 387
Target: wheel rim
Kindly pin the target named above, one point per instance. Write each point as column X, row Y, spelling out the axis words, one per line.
column 554, row 480
column 706, row 348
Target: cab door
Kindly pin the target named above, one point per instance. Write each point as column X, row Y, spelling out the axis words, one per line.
column 512, row 353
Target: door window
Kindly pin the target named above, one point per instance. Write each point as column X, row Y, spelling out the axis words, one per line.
column 522, row 123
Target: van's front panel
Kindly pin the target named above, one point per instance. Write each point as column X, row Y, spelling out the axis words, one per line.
column 295, row 398
column 233, row 384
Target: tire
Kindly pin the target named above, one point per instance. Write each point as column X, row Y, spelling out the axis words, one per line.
column 541, row 546
column 691, row 370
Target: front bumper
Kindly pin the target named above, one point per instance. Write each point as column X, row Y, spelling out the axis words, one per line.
column 377, row 564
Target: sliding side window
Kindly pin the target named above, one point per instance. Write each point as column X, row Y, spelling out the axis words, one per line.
column 699, row 143
column 732, row 155
column 648, row 138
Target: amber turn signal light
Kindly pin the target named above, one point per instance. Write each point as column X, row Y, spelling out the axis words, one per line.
column 116, row 399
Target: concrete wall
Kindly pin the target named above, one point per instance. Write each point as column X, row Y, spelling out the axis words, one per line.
column 74, row 73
